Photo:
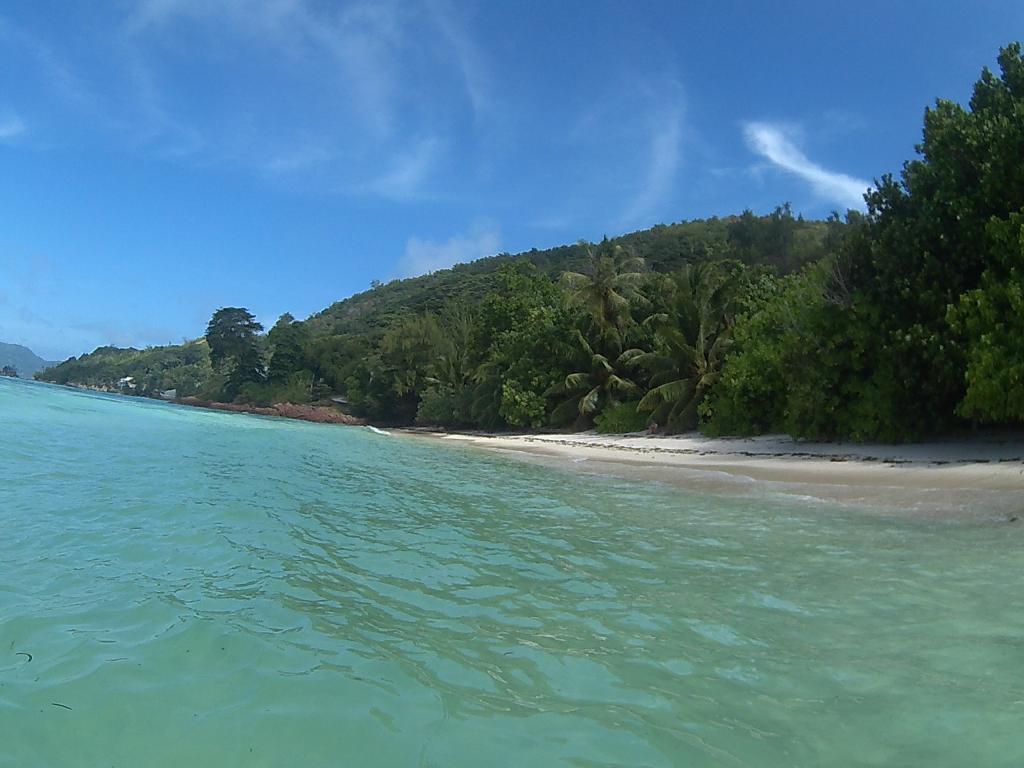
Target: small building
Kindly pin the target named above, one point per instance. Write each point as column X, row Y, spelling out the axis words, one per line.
column 128, row 382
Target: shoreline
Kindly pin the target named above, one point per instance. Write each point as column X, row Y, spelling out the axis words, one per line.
column 983, row 476
column 977, row 476
column 316, row 414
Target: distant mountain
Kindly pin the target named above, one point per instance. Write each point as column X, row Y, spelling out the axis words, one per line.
column 22, row 359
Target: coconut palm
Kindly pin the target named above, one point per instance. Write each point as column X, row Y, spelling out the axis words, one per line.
column 605, row 291
column 692, row 339
column 597, row 385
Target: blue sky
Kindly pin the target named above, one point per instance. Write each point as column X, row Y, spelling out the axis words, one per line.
column 162, row 158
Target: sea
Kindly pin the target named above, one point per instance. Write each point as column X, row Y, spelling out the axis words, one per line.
column 185, row 587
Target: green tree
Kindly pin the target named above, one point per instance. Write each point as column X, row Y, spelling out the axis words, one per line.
column 991, row 318
column 692, row 340
column 232, row 338
column 899, row 366
column 288, row 340
column 448, row 397
column 388, row 384
column 597, row 383
column 776, row 347
column 983, row 155
column 605, row 292
column 520, row 336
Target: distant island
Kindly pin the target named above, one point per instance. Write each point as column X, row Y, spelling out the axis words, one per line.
column 16, row 360
column 898, row 324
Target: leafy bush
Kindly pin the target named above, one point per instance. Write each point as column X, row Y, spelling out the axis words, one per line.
column 441, row 405
column 621, row 418
column 752, row 394
column 522, row 407
column 294, row 389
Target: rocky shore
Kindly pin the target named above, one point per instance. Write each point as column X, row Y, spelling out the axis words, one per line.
column 315, row 413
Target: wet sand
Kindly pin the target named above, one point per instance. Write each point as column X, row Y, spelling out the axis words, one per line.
column 978, row 476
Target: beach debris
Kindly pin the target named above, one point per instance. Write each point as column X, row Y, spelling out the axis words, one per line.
column 26, row 655
column 62, row 706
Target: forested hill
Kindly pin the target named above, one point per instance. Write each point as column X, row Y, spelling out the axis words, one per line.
column 779, row 240
column 338, row 339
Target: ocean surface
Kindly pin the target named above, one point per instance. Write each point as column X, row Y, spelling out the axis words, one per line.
column 181, row 587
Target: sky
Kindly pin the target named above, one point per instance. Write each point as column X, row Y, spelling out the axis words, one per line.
column 163, row 158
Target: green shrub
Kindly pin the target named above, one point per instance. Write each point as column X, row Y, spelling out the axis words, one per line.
column 522, row 407
column 621, row 418
column 295, row 389
column 440, row 405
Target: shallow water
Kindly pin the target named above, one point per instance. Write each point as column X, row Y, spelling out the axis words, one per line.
column 206, row 589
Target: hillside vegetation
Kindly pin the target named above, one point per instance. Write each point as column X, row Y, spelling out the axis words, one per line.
column 339, row 337
column 182, row 367
column 779, row 240
column 902, row 322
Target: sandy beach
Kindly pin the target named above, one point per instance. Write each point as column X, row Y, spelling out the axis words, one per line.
column 983, row 475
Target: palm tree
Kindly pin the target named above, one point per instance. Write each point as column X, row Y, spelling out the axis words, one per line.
column 594, row 388
column 693, row 338
column 453, row 366
column 605, row 291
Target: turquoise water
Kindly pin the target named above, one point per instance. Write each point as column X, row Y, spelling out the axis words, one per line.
column 206, row 589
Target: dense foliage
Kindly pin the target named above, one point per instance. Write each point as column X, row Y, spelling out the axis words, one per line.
column 890, row 325
column 915, row 323
column 184, row 368
column 780, row 240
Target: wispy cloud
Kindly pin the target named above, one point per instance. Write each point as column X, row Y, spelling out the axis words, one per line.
column 467, row 55
column 11, row 127
column 627, row 144
column 354, row 50
column 360, row 98
column 388, row 75
column 409, row 170
column 775, row 143
column 424, row 256
column 43, row 65
column 663, row 158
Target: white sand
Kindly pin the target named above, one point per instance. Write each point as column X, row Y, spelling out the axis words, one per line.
column 983, row 475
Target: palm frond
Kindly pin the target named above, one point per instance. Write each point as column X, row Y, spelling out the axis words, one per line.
column 575, row 381
column 669, row 392
column 630, row 356
column 619, row 384
column 588, row 403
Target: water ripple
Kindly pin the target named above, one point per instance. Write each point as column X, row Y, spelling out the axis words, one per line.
column 212, row 589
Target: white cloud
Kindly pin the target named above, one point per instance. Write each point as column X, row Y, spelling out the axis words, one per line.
column 774, row 143
column 385, row 72
column 361, row 98
column 357, row 48
column 365, row 42
column 11, row 127
column 663, row 162
column 424, row 256
column 410, row 169
column 466, row 53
